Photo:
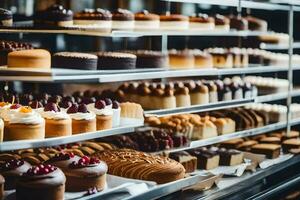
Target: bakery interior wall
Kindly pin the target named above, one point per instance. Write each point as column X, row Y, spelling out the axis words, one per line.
column 277, row 21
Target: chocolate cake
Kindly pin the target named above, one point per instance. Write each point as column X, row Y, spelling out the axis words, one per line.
column 189, row 162
column 230, row 157
column 10, row 46
column 206, row 159
column 116, row 60
column 6, row 17
column 151, row 59
column 74, row 60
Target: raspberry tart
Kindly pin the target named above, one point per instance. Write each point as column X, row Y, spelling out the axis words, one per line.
column 12, row 170
column 83, row 121
column 86, row 173
column 24, row 124
column 45, row 182
column 58, row 122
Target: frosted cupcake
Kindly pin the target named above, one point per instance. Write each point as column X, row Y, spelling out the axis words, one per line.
column 104, row 115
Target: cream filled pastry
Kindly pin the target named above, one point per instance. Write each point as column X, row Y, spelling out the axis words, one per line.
column 104, row 114
column 45, row 182
column 58, row 123
column 83, row 121
column 86, row 173
column 24, row 124
column 12, row 170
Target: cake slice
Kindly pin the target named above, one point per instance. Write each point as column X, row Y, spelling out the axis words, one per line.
column 206, row 159
column 290, row 144
column 246, row 146
column 270, row 150
column 270, row 140
column 224, row 125
column 232, row 144
column 203, row 130
column 230, row 157
column 188, row 161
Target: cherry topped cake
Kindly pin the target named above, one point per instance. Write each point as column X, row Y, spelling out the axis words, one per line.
column 45, row 182
column 86, row 173
column 83, row 121
column 63, row 159
column 12, row 170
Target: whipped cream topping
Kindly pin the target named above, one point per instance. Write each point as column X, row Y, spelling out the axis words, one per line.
column 105, row 111
column 55, row 115
column 83, row 116
column 25, row 118
column 6, row 113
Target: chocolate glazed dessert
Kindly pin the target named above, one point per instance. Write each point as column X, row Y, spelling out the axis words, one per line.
column 115, row 60
column 151, row 59
column 74, row 60
column 41, row 182
column 6, row 17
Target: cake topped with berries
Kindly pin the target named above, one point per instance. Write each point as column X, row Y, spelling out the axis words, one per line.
column 63, row 159
column 53, row 111
column 80, row 112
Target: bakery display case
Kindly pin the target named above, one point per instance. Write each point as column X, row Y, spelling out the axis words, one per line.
column 170, row 99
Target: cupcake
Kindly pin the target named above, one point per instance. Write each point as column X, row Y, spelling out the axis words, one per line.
column 41, row 182
column 183, row 98
column 116, row 114
column 24, row 124
column 86, row 173
column 174, row 22
column 55, row 15
column 145, row 20
column 83, row 121
column 6, row 17
column 104, row 115
column 7, row 109
column 99, row 17
column 122, row 19
column 12, row 170
column 63, row 160
column 202, row 22
column 58, row 123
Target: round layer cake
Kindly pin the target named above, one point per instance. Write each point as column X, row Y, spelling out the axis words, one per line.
column 55, row 15
column 202, row 22
column 122, row 19
column 146, row 20
column 151, row 59
column 116, row 60
column 100, row 17
column 6, row 17
column 174, row 22
column 74, row 60
column 35, row 58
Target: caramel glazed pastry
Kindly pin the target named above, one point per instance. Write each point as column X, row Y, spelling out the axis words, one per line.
column 138, row 165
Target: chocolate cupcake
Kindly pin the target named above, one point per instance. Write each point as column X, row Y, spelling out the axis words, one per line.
column 74, row 60
column 10, row 46
column 146, row 20
column 55, row 15
column 116, row 60
column 6, row 17
column 100, row 17
column 122, row 19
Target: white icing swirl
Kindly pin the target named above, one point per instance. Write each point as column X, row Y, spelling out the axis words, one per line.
column 6, row 113
column 55, row 115
column 105, row 111
column 83, row 116
column 25, row 118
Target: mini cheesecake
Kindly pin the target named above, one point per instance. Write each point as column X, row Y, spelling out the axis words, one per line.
column 145, row 20
column 98, row 17
column 6, row 17
column 174, row 22
column 24, row 124
column 202, row 22
column 83, row 121
column 122, row 19
column 58, row 122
